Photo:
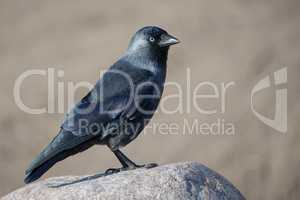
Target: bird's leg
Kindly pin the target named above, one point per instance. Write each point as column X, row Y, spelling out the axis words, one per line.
column 127, row 163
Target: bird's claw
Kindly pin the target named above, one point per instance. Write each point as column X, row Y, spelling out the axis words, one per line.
column 112, row 170
column 116, row 170
column 150, row 165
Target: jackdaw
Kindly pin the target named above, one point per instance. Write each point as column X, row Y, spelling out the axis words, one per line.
column 119, row 106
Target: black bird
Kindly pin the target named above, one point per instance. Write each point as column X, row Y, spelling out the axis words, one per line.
column 119, row 106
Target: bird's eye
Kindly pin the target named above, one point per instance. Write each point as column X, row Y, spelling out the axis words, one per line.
column 151, row 39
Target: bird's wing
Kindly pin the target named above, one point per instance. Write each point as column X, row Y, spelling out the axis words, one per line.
column 111, row 97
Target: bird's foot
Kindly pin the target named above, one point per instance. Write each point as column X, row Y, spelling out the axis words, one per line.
column 116, row 170
column 113, row 170
column 150, row 165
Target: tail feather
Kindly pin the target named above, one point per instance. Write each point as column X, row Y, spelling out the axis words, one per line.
column 34, row 173
column 37, row 172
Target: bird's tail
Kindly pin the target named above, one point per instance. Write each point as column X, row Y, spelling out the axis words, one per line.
column 35, row 173
column 48, row 158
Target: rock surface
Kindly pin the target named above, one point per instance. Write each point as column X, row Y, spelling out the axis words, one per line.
column 174, row 181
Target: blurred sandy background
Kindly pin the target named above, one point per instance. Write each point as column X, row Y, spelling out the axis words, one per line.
column 222, row 41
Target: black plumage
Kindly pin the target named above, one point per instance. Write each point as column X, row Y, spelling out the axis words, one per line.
column 119, row 106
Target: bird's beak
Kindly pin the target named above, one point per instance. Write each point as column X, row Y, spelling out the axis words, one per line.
column 168, row 40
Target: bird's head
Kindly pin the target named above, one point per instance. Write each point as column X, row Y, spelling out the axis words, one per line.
column 152, row 39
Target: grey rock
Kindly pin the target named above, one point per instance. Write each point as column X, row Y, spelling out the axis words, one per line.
column 174, row 181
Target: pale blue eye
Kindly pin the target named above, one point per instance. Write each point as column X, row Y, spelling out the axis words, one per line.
column 151, row 39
